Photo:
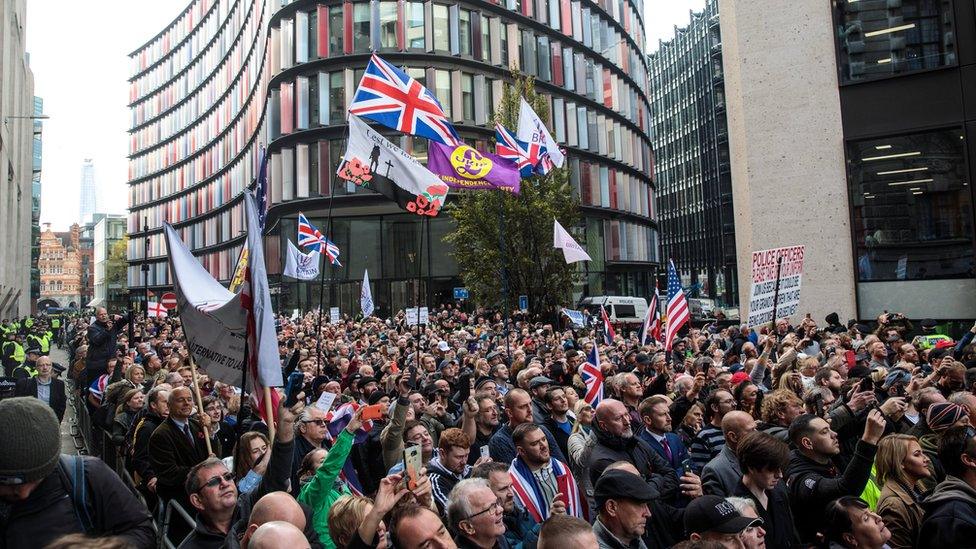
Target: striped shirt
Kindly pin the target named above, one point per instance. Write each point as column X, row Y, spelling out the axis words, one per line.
column 707, row 444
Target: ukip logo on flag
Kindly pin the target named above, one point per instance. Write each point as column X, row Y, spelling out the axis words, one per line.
column 463, row 167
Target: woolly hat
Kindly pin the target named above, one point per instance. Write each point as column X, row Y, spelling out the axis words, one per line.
column 943, row 415
column 30, row 438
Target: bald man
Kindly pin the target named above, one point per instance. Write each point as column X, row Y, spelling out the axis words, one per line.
column 721, row 475
column 276, row 534
column 615, row 441
column 45, row 387
column 276, row 507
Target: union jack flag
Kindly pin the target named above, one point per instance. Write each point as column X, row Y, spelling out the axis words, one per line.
column 608, row 333
column 389, row 96
column 524, row 155
column 593, row 378
column 531, row 496
column 311, row 238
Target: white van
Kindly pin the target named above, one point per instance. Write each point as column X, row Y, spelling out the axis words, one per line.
column 620, row 309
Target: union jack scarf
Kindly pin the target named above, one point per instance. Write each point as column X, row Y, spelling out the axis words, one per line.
column 530, row 495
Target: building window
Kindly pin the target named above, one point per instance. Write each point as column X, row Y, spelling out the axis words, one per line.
column 337, row 98
column 442, row 88
column 360, row 27
column 441, row 28
column 544, row 60
column 912, row 211
column 486, row 23
column 388, row 25
column 415, row 25
column 335, row 30
column 467, row 96
column 464, row 32
column 877, row 39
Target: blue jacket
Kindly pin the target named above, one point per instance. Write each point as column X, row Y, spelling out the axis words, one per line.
column 521, row 530
column 678, row 451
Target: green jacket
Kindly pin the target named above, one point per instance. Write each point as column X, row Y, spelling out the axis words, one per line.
column 321, row 492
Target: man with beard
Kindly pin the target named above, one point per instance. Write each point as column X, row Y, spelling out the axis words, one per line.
column 542, row 485
column 518, row 407
column 486, row 425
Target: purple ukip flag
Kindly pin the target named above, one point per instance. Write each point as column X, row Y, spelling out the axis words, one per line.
column 463, row 167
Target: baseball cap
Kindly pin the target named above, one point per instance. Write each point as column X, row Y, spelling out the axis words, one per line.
column 643, row 358
column 442, row 347
column 714, row 514
column 619, row 484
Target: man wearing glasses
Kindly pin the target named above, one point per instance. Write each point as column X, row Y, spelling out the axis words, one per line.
column 312, row 430
column 475, row 513
column 221, row 511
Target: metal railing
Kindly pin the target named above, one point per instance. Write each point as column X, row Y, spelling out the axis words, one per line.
column 164, row 542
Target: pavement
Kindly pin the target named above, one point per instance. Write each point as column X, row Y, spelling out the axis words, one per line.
column 67, row 441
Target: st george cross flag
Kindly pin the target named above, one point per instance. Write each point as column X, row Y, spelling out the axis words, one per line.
column 652, row 320
column 300, row 265
column 608, row 333
column 464, row 167
column 389, row 96
column 521, row 153
column 593, row 378
column 366, row 296
column 156, row 310
column 678, row 313
column 535, row 500
column 372, row 161
column 562, row 240
column 532, row 130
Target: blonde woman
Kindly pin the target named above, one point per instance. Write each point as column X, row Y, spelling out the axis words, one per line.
column 901, row 465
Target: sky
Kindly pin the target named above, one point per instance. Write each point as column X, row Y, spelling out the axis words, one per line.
column 79, row 55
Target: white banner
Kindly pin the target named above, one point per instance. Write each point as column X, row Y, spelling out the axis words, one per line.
column 366, row 296
column 412, row 316
column 263, row 354
column 213, row 319
column 301, row 265
column 764, row 265
column 334, row 315
column 562, row 240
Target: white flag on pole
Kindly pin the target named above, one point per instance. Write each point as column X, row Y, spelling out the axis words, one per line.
column 562, row 240
column 366, row 296
column 263, row 347
column 214, row 321
column 532, row 130
column 301, row 265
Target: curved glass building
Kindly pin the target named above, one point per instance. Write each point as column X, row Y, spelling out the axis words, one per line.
column 197, row 99
column 588, row 60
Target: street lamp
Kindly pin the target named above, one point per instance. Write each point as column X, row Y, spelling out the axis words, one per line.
column 145, row 264
column 32, row 117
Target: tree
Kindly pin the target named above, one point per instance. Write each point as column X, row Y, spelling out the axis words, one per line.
column 117, row 265
column 533, row 266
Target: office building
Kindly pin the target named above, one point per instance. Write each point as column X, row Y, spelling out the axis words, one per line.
column 692, row 169
column 88, row 202
column 589, row 63
column 16, row 161
column 35, row 239
column 858, row 141
column 197, row 105
column 109, row 291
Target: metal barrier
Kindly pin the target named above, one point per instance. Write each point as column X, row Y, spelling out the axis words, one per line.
column 164, row 542
column 81, row 427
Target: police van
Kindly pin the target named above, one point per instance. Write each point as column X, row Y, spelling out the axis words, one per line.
column 622, row 310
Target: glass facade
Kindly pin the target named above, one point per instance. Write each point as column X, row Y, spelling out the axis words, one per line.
column 692, row 169
column 878, row 38
column 912, row 207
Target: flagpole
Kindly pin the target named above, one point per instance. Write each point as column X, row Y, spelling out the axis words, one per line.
column 196, row 392
column 427, row 289
column 326, row 262
column 502, row 262
column 420, row 269
column 772, row 323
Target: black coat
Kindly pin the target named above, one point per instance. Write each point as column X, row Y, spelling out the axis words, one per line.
column 656, row 471
column 950, row 516
column 49, row 512
column 139, row 433
column 777, row 517
column 59, row 400
column 102, row 345
column 172, row 456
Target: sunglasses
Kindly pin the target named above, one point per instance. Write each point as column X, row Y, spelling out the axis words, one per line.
column 215, row 481
column 318, row 422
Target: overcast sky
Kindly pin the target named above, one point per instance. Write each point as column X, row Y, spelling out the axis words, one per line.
column 79, row 55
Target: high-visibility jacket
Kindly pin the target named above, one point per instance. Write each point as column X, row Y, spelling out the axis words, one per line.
column 29, row 322
column 45, row 343
column 14, row 351
column 55, row 323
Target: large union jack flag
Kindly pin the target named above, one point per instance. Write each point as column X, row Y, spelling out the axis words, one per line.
column 389, row 96
column 593, row 378
column 311, row 238
column 529, row 157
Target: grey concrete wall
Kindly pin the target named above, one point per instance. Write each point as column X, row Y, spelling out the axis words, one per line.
column 786, row 144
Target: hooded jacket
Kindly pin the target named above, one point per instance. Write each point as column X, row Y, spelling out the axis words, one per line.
column 442, row 481
column 950, row 516
column 813, row 485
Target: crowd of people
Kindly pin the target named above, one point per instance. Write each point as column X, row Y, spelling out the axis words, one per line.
column 473, row 431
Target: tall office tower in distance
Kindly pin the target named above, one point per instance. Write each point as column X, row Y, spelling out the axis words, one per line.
column 693, row 172
column 86, row 206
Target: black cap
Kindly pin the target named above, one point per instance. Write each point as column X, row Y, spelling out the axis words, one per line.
column 928, row 324
column 714, row 514
column 375, row 397
column 355, row 378
column 643, row 358
column 619, row 484
column 35, row 350
column 863, row 328
column 481, row 381
column 493, row 355
column 539, row 380
column 832, row 318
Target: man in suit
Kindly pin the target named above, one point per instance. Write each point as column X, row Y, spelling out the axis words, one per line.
column 45, row 387
column 657, row 432
column 177, row 445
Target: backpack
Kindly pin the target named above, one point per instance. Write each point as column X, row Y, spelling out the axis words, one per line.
column 72, row 470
